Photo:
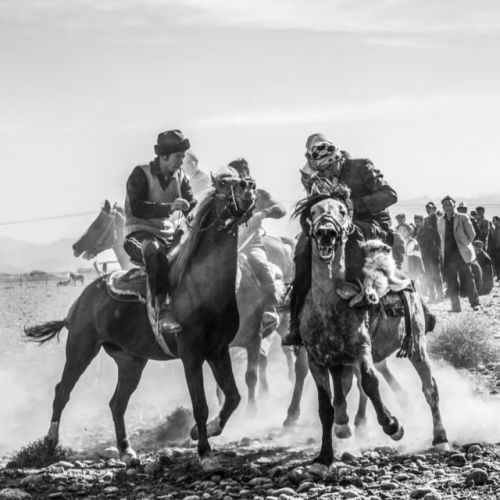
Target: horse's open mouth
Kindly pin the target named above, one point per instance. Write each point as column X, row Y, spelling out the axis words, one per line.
column 326, row 251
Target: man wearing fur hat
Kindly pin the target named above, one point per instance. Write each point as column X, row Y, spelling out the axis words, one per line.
column 326, row 167
column 155, row 191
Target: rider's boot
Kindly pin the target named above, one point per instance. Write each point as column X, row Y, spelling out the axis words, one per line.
column 166, row 322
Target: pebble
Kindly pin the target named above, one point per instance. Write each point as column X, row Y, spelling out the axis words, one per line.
column 475, row 448
column 477, row 476
column 305, row 486
column 433, row 495
column 421, row 492
column 194, row 497
column 388, row 485
column 64, row 464
column 152, row 467
column 456, row 460
column 284, row 491
column 13, row 494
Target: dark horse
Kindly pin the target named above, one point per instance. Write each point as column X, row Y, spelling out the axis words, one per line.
column 202, row 280
column 107, row 232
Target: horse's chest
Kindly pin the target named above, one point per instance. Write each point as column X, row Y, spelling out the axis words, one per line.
column 331, row 339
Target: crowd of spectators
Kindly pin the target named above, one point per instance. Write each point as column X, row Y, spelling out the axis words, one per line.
column 451, row 252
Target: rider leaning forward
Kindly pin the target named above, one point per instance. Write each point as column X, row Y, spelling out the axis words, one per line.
column 252, row 246
column 154, row 192
column 327, row 166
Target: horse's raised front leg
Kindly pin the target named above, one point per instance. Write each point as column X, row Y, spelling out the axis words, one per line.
column 326, row 413
column 130, row 369
column 431, row 393
column 370, row 384
column 301, row 371
column 342, row 382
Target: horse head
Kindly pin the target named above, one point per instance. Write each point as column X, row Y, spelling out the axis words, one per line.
column 100, row 235
column 234, row 199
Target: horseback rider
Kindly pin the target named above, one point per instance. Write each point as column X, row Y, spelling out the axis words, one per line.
column 252, row 246
column 154, row 192
column 326, row 167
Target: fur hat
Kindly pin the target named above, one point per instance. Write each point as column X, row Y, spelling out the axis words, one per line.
column 430, row 205
column 171, row 141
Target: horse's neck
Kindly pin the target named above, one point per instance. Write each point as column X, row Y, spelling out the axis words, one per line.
column 214, row 264
column 122, row 256
column 325, row 279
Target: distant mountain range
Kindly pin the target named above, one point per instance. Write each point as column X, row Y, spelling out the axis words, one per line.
column 23, row 256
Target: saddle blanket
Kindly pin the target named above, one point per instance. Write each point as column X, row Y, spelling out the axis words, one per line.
column 127, row 286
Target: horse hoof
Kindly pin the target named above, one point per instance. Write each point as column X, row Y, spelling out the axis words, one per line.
column 441, row 447
column 193, row 434
column 213, row 428
column 290, row 421
column 399, row 433
column 342, row 431
column 130, row 459
column 210, row 464
column 318, row 469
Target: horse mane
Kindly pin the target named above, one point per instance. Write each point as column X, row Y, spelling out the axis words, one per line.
column 181, row 259
column 303, row 207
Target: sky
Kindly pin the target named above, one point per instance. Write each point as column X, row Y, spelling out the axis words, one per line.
column 86, row 86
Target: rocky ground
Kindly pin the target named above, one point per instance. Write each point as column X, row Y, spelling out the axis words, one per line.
column 266, row 465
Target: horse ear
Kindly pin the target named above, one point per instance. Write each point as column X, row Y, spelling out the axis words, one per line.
column 348, row 291
column 308, row 223
column 213, row 179
column 107, row 206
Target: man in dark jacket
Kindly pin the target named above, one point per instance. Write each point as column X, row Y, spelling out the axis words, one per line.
column 252, row 246
column 155, row 191
column 370, row 195
column 484, row 261
column 430, row 245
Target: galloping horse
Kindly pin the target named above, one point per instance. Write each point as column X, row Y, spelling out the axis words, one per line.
column 202, row 281
column 107, row 232
column 340, row 340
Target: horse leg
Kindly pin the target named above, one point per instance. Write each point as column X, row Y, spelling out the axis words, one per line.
column 342, row 382
column 301, row 370
column 193, row 369
column 129, row 374
column 253, row 352
column 81, row 348
column 431, row 393
column 360, row 418
column 223, row 373
column 263, row 385
column 370, row 385
column 396, row 387
column 326, row 413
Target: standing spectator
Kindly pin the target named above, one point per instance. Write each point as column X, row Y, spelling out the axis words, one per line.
column 418, row 221
column 484, row 261
column 462, row 208
column 484, row 227
column 473, row 218
column 430, row 246
column 495, row 246
column 457, row 234
column 412, row 260
column 400, row 219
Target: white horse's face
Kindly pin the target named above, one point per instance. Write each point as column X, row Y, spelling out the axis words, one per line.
column 330, row 224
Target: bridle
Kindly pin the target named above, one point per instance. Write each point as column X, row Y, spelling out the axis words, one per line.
column 231, row 215
column 341, row 233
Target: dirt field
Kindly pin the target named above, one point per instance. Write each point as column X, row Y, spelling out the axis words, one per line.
column 259, row 461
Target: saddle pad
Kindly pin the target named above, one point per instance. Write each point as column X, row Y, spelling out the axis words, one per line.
column 127, row 286
column 392, row 304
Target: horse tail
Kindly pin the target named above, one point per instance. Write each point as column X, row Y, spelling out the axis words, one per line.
column 45, row 332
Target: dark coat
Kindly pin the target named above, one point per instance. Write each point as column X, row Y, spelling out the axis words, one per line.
column 428, row 239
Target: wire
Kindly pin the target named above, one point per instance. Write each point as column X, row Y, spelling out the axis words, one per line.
column 39, row 219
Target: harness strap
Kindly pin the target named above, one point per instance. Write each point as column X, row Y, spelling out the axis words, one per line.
column 406, row 345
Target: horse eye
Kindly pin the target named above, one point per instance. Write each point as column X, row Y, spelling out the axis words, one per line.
column 243, row 184
column 222, row 183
